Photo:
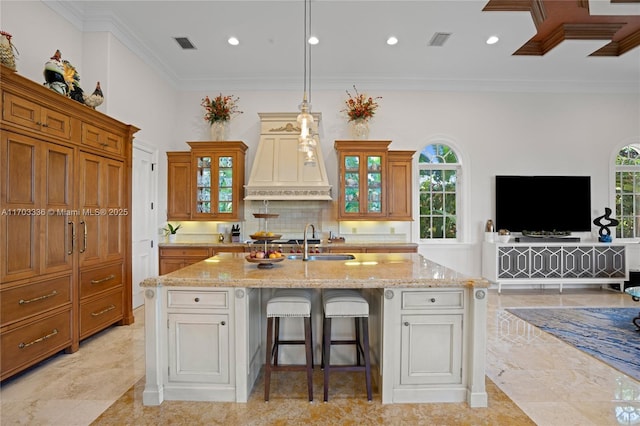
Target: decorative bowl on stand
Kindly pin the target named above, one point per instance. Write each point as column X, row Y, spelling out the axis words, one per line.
column 264, row 263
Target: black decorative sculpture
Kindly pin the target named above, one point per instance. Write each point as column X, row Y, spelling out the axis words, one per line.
column 604, row 231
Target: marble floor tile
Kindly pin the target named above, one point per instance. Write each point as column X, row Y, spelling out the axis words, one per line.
column 552, row 383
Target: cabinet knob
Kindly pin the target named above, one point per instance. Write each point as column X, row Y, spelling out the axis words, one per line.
column 222, row 323
column 197, row 299
column 432, row 300
column 406, row 323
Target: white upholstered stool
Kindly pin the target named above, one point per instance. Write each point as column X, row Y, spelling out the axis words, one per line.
column 346, row 304
column 288, row 303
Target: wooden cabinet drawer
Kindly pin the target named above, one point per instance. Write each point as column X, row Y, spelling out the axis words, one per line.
column 26, row 345
column 30, row 114
column 99, row 313
column 432, row 299
column 201, row 252
column 26, row 300
column 98, row 138
column 101, row 279
column 198, row 299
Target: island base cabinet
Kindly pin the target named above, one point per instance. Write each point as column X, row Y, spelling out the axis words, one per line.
column 429, row 354
column 197, row 344
column 431, row 349
column 199, row 348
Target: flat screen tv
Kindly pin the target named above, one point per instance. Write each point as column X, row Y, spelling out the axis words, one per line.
column 543, row 203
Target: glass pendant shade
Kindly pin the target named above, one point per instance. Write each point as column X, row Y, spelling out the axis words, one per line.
column 305, row 119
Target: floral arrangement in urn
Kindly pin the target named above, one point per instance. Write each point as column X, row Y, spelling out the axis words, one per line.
column 218, row 112
column 220, row 108
column 360, row 106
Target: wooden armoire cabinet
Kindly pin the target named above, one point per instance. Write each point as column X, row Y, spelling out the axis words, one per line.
column 65, row 224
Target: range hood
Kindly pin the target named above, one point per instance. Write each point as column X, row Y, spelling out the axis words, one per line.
column 279, row 171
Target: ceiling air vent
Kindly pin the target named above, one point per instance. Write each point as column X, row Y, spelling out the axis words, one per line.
column 184, row 42
column 439, row 39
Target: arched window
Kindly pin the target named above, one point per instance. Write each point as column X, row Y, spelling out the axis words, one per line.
column 440, row 168
column 627, row 171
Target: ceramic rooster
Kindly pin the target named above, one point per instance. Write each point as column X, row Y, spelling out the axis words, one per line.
column 95, row 99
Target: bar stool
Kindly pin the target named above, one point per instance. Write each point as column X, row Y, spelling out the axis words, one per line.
column 288, row 303
column 346, row 304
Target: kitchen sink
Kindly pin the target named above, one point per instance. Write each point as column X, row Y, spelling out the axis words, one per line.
column 323, row 256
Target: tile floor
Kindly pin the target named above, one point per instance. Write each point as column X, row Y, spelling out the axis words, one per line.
column 553, row 383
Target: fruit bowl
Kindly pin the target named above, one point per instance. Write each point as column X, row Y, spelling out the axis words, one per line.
column 264, row 262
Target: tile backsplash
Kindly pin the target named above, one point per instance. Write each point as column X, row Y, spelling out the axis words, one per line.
column 293, row 216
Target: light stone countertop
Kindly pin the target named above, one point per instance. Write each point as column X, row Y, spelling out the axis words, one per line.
column 323, row 244
column 367, row 270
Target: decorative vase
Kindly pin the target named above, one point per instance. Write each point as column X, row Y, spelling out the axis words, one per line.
column 360, row 129
column 219, row 130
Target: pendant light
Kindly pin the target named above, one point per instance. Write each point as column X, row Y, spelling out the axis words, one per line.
column 306, row 140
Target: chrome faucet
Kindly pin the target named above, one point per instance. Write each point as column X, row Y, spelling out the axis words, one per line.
column 305, row 243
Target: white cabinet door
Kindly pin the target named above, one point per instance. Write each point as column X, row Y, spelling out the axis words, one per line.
column 431, row 349
column 199, row 348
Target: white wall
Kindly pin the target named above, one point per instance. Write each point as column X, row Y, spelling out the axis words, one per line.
column 498, row 133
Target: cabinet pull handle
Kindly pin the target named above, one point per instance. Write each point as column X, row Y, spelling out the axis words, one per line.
column 197, row 299
column 105, row 279
column 432, row 300
column 406, row 323
column 105, row 310
column 38, row 340
column 35, row 299
column 73, row 236
column 84, row 248
column 223, row 323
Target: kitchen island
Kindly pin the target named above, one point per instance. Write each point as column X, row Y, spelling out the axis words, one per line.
column 204, row 326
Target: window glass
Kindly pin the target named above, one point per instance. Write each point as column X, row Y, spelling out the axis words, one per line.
column 627, row 173
column 439, row 189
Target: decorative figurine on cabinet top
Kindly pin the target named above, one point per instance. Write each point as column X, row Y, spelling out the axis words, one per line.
column 95, row 99
column 604, row 231
column 62, row 77
column 8, row 51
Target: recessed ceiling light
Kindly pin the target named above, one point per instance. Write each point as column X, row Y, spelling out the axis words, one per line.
column 314, row 40
column 493, row 39
column 392, row 41
column 233, row 41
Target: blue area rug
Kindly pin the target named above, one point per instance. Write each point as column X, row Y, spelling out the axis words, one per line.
column 605, row 333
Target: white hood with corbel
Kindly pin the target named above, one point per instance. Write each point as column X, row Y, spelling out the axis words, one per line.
column 279, row 171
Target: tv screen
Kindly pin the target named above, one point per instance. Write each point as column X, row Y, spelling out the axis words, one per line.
column 543, row 203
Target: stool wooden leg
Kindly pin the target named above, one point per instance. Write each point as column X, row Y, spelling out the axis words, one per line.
column 309, row 353
column 367, row 360
column 276, row 341
column 267, row 365
column 356, row 321
column 327, row 355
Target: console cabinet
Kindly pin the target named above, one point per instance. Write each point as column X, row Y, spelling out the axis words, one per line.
column 554, row 263
column 374, row 183
column 65, row 229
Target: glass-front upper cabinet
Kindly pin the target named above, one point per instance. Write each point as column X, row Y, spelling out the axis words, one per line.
column 219, row 180
column 362, row 168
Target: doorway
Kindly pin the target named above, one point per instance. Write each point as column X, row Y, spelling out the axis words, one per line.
column 143, row 221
